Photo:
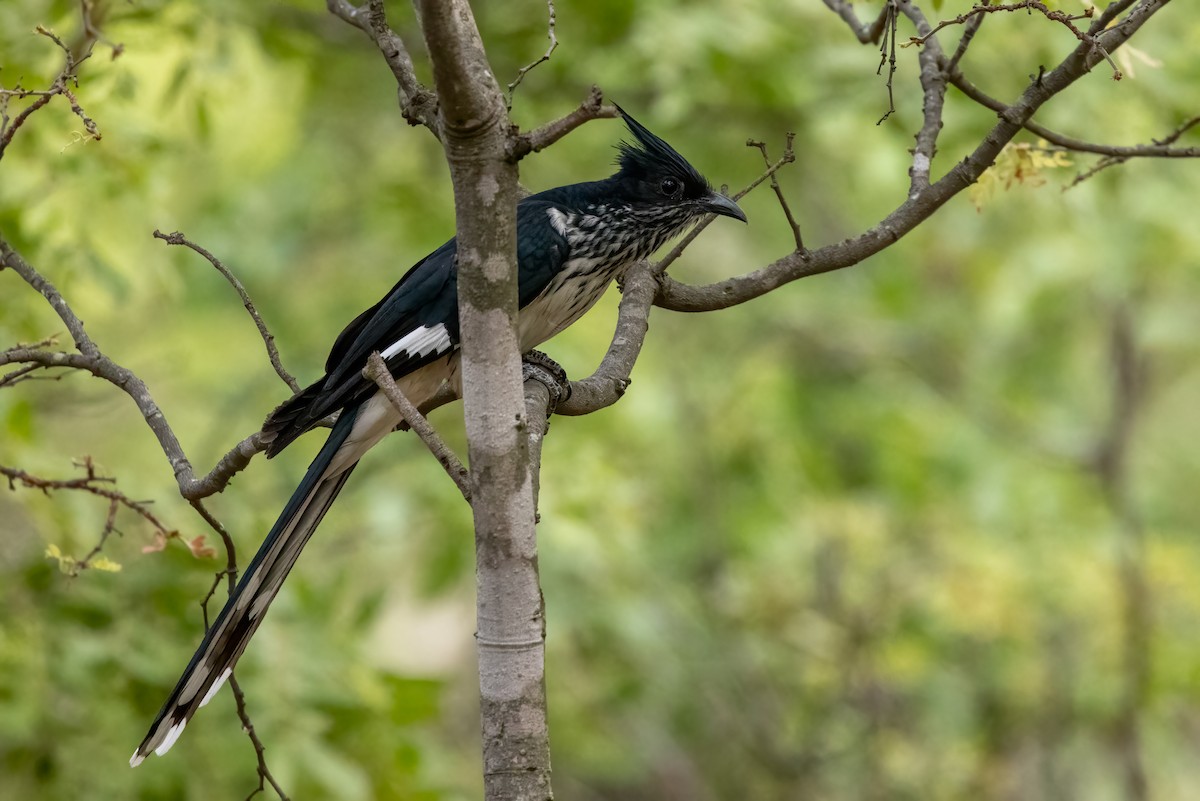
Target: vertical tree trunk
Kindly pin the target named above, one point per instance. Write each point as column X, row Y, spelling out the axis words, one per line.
column 509, row 605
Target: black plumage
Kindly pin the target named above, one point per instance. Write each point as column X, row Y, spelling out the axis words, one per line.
column 571, row 242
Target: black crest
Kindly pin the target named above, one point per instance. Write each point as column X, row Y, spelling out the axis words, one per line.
column 651, row 158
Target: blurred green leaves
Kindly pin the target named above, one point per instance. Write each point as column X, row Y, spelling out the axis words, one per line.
column 843, row 542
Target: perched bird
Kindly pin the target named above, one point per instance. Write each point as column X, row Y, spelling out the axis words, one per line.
column 571, row 242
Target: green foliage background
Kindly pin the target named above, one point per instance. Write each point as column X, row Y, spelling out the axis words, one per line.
column 842, row 542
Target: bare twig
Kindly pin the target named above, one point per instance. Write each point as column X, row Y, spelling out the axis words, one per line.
column 177, row 238
column 867, row 34
column 92, row 360
column 41, row 343
column 674, row 253
column 545, row 56
column 1160, row 149
column 1113, row 160
column 264, row 773
column 377, row 371
column 913, row 210
column 418, row 104
column 231, row 567
column 590, row 109
column 969, row 31
column 887, row 54
column 1110, row 12
column 788, row 156
column 10, row 126
column 933, row 87
column 24, row 374
column 1067, row 20
column 91, row 483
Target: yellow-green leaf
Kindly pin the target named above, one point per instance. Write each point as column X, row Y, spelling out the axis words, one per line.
column 105, row 564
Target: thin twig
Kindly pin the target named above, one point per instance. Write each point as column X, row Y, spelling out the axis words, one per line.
column 933, row 89
column 1110, row 12
column 788, row 156
column 913, row 210
column 591, row 108
column 969, row 31
column 231, row 567
column 1114, row 160
column 110, row 527
column 23, row 374
column 545, row 56
column 94, row 361
column 10, row 126
column 1160, row 148
column 1067, row 20
column 89, row 483
column 42, row 343
column 867, row 34
column 887, row 53
column 212, row 590
column 418, row 104
column 177, row 238
column 264, row 773
column 377, row 371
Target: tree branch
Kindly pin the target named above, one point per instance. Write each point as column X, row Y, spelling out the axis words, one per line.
column 10, row 126
column 1060, row 17
column 969, row 31
column 510, row 635
column 378, row 372
column 230, row 574
column 933, row 86
column 914, row 210
column 1160, row 149
column 1115, row 159
column 608, row 383
column 418, row 104
column 521, row 73
column 92, row 484
column 867, row 34
column 92, row 360
column 540, row 138
column 177, row 238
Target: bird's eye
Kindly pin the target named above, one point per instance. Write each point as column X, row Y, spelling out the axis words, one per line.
column 669, row 186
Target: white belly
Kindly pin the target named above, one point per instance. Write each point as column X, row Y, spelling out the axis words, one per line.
column 565, row 299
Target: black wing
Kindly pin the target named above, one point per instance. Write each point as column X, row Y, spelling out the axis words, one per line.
column 414, row 324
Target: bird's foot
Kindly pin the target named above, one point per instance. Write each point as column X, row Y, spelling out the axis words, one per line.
column 539, row 367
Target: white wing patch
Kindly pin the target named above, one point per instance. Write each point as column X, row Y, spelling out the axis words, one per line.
column 420, row 342
column 558, row 220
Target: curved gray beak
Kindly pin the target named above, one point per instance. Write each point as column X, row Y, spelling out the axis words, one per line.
column 719, row 204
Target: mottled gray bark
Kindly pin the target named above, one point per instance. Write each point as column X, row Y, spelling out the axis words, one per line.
column 510, row 634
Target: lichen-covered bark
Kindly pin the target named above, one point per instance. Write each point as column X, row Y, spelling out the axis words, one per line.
column 510, row 634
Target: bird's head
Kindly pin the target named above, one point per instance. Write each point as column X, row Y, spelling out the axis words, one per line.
column 660, row 181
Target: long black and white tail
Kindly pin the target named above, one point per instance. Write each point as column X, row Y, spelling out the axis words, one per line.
column 228, row 636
